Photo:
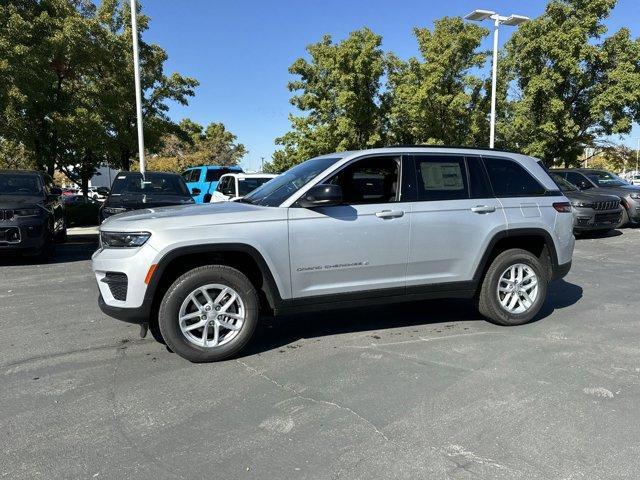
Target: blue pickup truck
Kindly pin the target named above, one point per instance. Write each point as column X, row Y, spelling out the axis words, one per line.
column 203, row 180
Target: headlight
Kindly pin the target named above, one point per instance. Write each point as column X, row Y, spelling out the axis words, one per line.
column 635, row 196
column 579, row 204
column 27, row 212
column 123, row 239
column 113, row 210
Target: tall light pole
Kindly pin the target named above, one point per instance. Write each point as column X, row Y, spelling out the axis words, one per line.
column 513, row 20
column 637, row 155
column 136, row 74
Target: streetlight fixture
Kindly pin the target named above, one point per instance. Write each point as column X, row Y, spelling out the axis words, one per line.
column 136, row 73
column 511, row 20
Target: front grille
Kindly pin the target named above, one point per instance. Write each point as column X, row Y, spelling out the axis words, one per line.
column 607, row 218
column 6, row 215
column 9, row 235
column 117, row 283
column 609, row 205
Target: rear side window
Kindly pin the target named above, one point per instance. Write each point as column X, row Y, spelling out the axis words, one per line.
column 478, row 180
column 214, row 174
column 510, row 179
column 191, row 176
column 441, row 177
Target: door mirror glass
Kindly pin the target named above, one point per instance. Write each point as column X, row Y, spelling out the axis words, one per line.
column 323, row 195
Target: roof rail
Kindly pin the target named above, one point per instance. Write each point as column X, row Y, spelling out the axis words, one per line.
column 468, row 147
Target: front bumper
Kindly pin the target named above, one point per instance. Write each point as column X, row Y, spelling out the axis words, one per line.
column 138, row 315
column 28, row 234
column 588, row 219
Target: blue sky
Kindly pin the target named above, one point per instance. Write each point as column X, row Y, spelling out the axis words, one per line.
column 240, row 51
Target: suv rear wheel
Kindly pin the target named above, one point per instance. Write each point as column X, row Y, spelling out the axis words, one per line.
column 209, row 313
column 514, row 288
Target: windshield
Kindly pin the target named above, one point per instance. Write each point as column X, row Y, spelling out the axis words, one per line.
column 273, row 193
column 153, row 184
column 563, row 184
column 606, row 179
column 246, row 185
column 18, row 184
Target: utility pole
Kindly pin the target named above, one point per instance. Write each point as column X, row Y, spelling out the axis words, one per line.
column 136, row 73
column 261, row 164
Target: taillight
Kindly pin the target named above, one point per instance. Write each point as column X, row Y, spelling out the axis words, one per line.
column 562, row 207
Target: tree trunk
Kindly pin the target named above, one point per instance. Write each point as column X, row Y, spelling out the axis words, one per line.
column 84, row 184
column 125, row 160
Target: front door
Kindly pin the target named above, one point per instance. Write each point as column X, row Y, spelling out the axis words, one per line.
column 359, row 245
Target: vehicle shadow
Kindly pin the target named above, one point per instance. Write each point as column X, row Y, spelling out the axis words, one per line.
column 279, row 332
column 77, row 248
column 597, row 234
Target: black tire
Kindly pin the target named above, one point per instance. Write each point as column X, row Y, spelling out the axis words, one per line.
column 488, row 302
column 178, row 292
column 624, row 221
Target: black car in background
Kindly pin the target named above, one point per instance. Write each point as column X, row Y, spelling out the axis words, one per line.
column 591, row 211
column 32, row 214
column 130, row 191
column 607, row 183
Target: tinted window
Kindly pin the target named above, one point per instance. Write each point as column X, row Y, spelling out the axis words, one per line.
column 20, row 184
column 191, row 176
column 153, row 184
column 247, row 185
column 371, row 180
column 576, row 178
column 214, row 174
column 478, row 180
column 441, row 177
column 509, row 179
column 564, row 185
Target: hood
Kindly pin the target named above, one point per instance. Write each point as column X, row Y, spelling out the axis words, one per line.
column 189, row 216
column 137, row 202
column 20, row 201
column 589, row 196
column 621, row 191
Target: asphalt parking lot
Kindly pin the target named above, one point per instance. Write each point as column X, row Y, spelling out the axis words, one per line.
column 425, row 390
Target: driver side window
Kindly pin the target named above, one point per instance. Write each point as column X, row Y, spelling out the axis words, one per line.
column 369, row 181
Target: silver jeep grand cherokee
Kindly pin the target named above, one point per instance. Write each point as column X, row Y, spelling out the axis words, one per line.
column 351, row 228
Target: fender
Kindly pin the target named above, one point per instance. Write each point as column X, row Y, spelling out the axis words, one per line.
column 517, row 232
column 269, row 284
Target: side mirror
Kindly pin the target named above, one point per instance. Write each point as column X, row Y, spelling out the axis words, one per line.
column 195, row 191
column 55, row 191
column 322, row 196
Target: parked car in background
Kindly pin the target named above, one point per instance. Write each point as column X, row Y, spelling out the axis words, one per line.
column 98, row 193
column 234, row 186
column 607, row 183
column 69, row 191
column 634, row 179
column 31, row 213
column 81, row 211
column 345, row 229
column 202, row 181
column 130, row 191
column 591, row 211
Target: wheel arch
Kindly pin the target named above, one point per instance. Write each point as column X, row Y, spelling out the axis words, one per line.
column 243, row 257
column 535, row 240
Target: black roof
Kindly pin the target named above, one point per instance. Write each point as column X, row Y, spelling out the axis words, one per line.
column 23, row 172
column 578, row 169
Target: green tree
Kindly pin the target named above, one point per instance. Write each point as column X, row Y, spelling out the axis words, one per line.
column 338, row 92
column 569, row 87
column 436, row 99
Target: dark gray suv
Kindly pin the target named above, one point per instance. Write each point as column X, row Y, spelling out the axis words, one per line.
column 607, row 183
column 591, row 211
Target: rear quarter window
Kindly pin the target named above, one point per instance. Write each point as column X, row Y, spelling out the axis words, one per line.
column 510, row 179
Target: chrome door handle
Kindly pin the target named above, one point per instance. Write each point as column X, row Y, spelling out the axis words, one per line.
column 389, row 214
column 483, row 209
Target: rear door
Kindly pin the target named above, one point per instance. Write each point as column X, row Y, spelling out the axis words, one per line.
column 524, row 199
column 360, row 245
column 453, row 219
column 192, row 179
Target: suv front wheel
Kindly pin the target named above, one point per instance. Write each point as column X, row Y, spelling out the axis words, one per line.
column 209, row 313
column 514, row 288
